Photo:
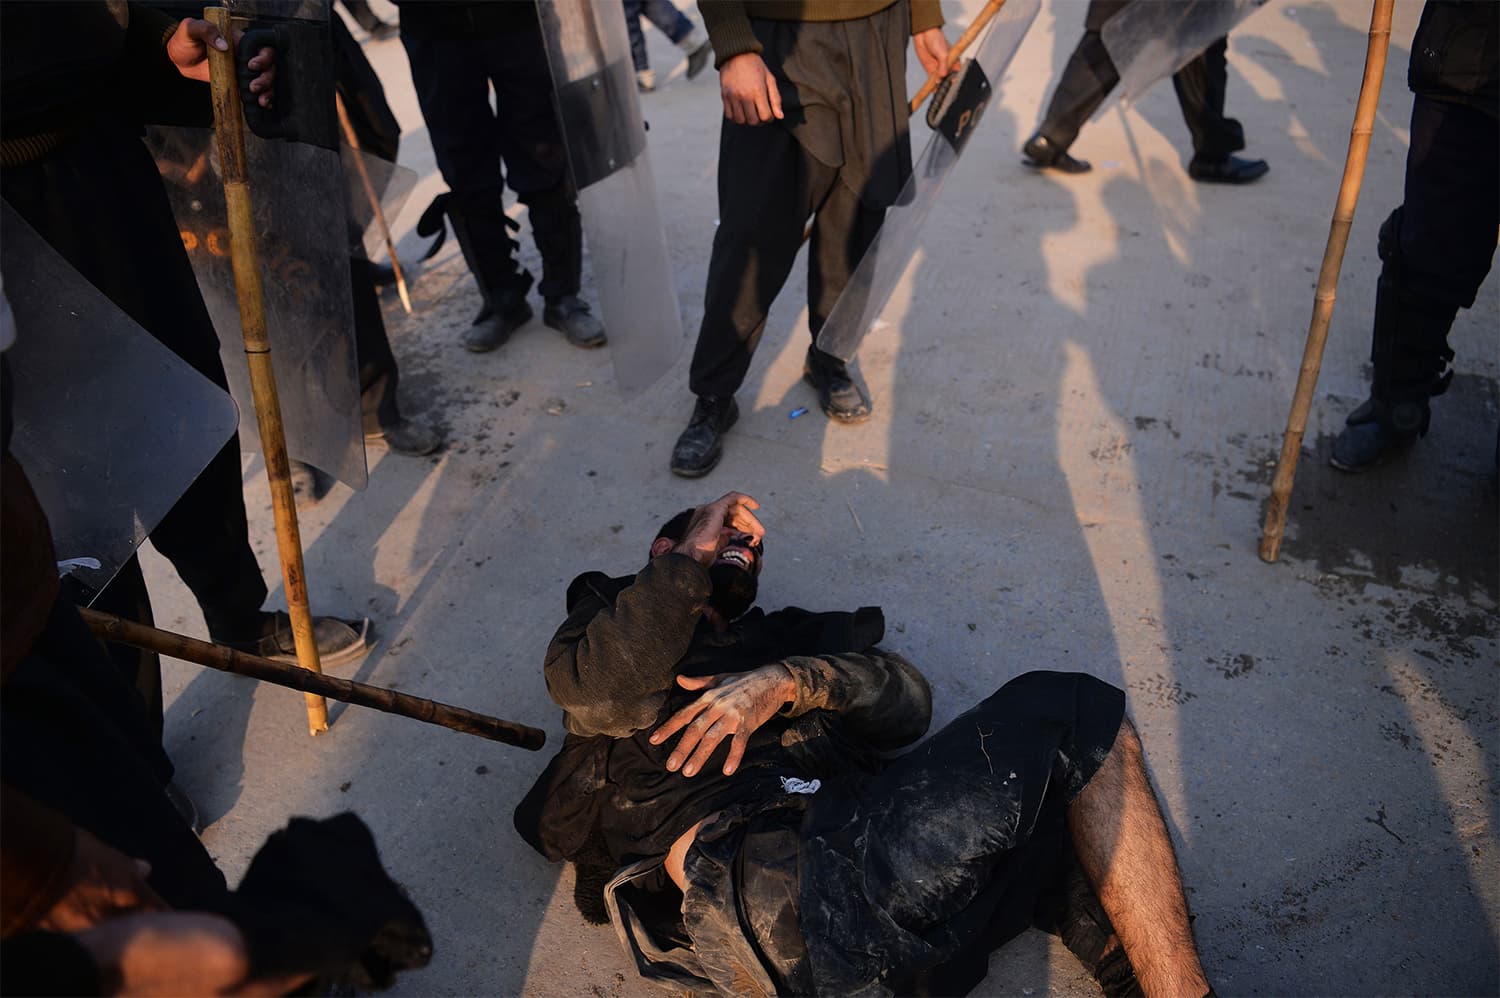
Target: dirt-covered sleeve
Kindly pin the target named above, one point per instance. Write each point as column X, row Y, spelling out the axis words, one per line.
column 612, row 663
column 880, row 695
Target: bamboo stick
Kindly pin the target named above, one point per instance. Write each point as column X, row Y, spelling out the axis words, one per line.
column 955, row 53
column 1328, row 279
column 229, row 126
column 364, row 177
column 108, row 627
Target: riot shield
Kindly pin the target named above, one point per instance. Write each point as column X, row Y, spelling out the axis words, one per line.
column 956, row 111
column 302, row 219
column 393, row 185
column 589, row 55
column 111, row 426
column 1149, row 40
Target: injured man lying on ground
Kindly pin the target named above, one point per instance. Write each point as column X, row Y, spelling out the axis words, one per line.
column 728, row 792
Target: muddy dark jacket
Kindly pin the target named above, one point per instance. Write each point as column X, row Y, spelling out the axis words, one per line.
column 1455, row 55
column 612, row 667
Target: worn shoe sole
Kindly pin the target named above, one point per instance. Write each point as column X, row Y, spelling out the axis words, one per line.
column 835, row 414
column 348, row 653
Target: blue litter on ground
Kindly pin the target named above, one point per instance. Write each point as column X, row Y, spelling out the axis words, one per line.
column 799, row 411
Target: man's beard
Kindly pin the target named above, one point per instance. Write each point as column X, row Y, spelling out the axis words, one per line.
column 734, row 590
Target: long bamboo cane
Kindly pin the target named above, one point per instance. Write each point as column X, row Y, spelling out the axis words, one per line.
column 229, row 127
column 1328, row 279
column 364, row 177
column 108, row 627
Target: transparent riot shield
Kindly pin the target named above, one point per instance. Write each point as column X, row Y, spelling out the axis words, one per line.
column 300, row 196
column 956, row 112
column 1150, row 40
column 392, row 184
column 588, row 51
column 111, row 426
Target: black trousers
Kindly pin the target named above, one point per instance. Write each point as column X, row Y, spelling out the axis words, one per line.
column 1089, row 76
column 99, row 202
column 472, row 139
column 1452, row 201
column 768, row 186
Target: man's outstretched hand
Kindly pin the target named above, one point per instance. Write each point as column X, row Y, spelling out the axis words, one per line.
column 712, row 526
column 731, row 706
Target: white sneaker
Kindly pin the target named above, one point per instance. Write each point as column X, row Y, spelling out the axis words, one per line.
column 645, row 80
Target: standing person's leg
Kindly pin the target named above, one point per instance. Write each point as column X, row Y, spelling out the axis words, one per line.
column 686, row 35
column 843, row 229
column 1087, row 78
column 768, row 185
column 1122, row 844
column 378, row 373
column 1200, row 87
column 645, row 77
column 454, row 94
column 536, row 165
column 1436, row 250
column 667, row 18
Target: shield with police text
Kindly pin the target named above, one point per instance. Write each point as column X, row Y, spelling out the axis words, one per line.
column 1149, row 40
column 956, row 110
column 110, row 425
column 588, row 51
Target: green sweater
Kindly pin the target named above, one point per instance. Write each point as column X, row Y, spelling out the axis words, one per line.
column 728, row 21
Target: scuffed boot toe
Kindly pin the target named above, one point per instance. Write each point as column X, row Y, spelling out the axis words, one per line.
column 701, row 445
column 571, row 316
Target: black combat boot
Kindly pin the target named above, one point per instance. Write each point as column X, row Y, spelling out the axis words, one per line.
column 700, row 446
column 1410, row 354
column 838, row 396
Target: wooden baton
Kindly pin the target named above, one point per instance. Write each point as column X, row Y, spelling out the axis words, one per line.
column 108, row 627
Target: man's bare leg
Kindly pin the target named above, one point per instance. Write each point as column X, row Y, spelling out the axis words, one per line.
column 1122, row 843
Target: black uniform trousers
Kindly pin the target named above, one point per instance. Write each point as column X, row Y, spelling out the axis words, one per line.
column 768, row 186
column 99, row 201
column 1089, row 76
column 471, row 139
column 1452, row 201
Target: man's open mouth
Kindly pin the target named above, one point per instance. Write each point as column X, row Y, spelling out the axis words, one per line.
column 738, row 557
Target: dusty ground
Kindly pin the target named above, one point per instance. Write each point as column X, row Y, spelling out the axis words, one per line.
column 1080, row 394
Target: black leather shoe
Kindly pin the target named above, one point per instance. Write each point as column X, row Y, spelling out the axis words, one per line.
column 407, row 436
column 838, row 396
column 570, row 315
column 1376, row 430
column 493, row 327
column 1363, row 446
column 1229, row 170
column 702, row 443
column 1042, row 154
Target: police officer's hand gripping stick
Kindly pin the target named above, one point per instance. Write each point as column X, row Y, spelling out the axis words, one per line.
column 229, row 127
column 1328, row 279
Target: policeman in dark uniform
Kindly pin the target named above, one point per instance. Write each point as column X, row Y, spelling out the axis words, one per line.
column 457, row 50
column 1437, row 247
